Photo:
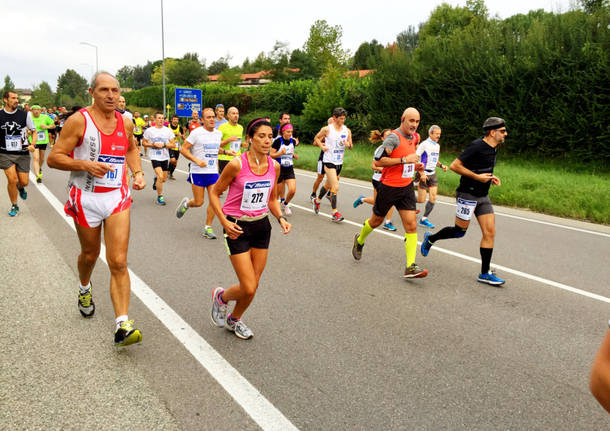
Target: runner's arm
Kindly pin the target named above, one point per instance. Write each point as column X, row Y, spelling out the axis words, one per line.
column 71, row 134
column 600, row 374
column 185, row 150
column 226, row 178
column 132, row 158
column 458, row 167
column 350, row 144
column 274, row 204
column 322, row 134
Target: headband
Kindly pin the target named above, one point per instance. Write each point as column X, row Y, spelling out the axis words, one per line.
column 260, row 120
column 286, row 126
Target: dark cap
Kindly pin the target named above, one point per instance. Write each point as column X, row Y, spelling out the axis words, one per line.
column 493, row 123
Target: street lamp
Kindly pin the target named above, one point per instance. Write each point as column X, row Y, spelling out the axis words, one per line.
column 97, row 68
column 163, row 54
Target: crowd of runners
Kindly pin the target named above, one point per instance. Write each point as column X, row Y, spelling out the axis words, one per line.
column 99, row 144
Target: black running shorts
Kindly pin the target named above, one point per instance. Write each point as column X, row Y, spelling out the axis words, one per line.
column 163, row 164
column 256, row 234
column 403, row 198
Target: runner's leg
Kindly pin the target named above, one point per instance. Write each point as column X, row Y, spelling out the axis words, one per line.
column 116, row 237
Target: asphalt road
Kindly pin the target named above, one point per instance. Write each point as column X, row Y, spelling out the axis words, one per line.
column 350, row 345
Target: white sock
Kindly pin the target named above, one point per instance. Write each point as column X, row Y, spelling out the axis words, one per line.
column 84, row 289
column 388, row 221
column 206, row 227
column 424, row 218
column 120, row 319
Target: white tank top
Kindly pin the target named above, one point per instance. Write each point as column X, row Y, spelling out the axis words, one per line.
column 335, row 142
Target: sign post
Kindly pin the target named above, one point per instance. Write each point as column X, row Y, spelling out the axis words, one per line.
column 187, row 101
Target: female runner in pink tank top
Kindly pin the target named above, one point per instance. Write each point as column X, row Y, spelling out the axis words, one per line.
column 252, row 180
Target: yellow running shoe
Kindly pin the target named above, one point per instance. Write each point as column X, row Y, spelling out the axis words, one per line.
column 126, row 334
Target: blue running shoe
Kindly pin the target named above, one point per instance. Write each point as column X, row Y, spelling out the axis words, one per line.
column 161, row 201
column 22, row 193
column 358, row 201
column 389, row 226
column 14, row 210
column 426, row 223
column 490, row 278
column 425, row 245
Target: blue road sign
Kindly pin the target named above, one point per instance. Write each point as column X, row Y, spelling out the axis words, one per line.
column 187, row 101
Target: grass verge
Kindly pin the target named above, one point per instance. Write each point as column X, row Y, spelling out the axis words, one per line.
column 554, row 187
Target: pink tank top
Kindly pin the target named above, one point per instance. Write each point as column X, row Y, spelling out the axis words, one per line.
column 249, row 193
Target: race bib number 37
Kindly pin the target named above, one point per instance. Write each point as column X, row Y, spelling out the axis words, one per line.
column 465, row 209
column 256, row 195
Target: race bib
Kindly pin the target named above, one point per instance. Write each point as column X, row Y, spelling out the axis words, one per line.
column 465, row 209
column 377, row 175
column 137, row 130
column 41, row 136
column 338, row 155
column 236, row 145
column 256, row 195
column 13, row 143
column 408, row 169
column 114, row 177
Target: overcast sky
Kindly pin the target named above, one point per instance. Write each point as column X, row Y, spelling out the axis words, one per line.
column 41, row 39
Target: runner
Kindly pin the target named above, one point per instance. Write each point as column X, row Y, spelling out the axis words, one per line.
column 336, row 138
column 599, row 381
column 398, row 158
column 320, row 177
column 201, row 148
column 231, row 138
column 174, row 152
column 429, row 151
column 43, row 124
column 138, row 130
column 220, row 116
column 52, row 134
column 250, row 178
column 95, row 145
column 284, row 119
column 283, row 151
column 159, row 138
column 120, row 107
column 15, row 125
column 376, row 137
column 476, row 166
column 194, row 121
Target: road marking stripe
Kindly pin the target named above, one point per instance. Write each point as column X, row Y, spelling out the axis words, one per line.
column 265, row 414
column 370, row 188
column 472, row 259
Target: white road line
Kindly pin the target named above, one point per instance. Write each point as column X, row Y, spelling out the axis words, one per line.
column 370, row 188
column 472, row 259
column 265, row 414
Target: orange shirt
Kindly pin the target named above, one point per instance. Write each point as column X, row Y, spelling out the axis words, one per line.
column 401, row 175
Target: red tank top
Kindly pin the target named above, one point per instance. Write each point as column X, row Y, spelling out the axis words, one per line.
column 401, row 175
column 97, row 146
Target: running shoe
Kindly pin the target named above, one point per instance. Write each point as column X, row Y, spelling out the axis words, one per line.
column 316, row 205
column 337, row 217
column 155, row 184
column 86, row 306
column 357, row 248
column 182, row 208
column 219, row 309
column 425, row 223
column 14, row 210
column 358, row 201
column 389, row 226
column 39, row 178
column 414, row 271
column 161, row 200
column 286, row 209
column 208, row 233
column 22, row 193
column 490, row 278
column 239, row 327
column 126, row 334
column 425, row 245
column 312, row 197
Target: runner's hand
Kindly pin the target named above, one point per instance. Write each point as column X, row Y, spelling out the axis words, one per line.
column 31, row 148
column 484, row 178
column 324, row 148
column 287, row 227
column 496, row 181
column 230, row 153
column 412, row 158
column 98, row 169
column 138, row 182
column 232, row 229
column 201, row 163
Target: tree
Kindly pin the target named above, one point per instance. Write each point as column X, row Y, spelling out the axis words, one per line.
column 324, row 46
column 302, row 61
column 43, row 95
column 185, row 72
column 445, row 20
column 125, row 76
column 592, row 6
column 230, row 76
column 72, row 88
column 408, row 40
column 156, row 77
column 367, row 56
column 218, row 66
column 477, row 7
column 9, row 85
